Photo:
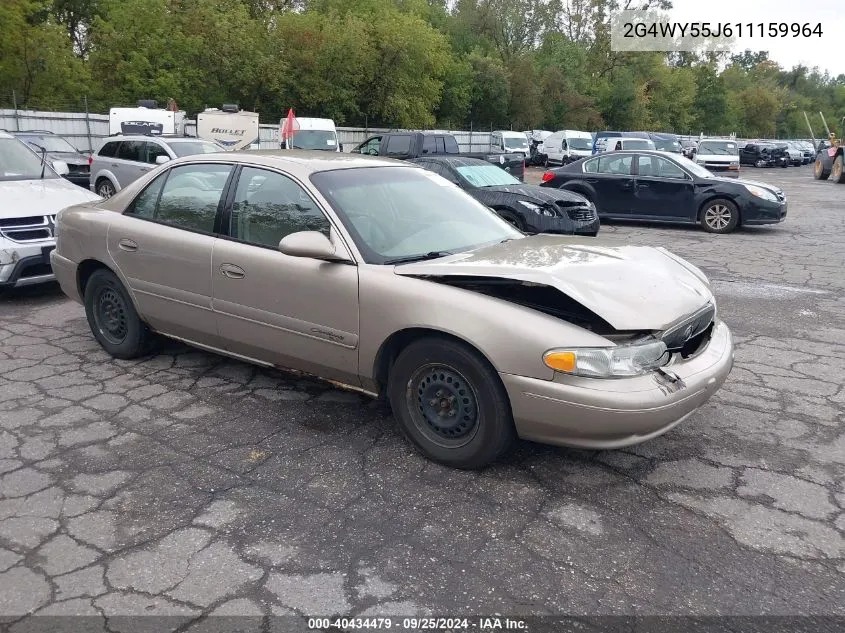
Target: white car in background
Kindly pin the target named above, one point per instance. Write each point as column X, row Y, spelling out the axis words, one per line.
column 720, row 156
column 32, row 192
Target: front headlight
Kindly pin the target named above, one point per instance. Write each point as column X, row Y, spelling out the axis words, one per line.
column 760, row 192
column 608, row 362
column 536, row 208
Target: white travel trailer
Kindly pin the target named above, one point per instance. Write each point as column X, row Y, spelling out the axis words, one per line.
column 315, row 134
column 147, row 118
column 230, row 127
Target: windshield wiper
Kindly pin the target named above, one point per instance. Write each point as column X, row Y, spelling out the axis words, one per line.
column 418, row 258
column 43, row 162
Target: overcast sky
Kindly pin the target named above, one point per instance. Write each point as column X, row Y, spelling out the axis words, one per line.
column 826, row 53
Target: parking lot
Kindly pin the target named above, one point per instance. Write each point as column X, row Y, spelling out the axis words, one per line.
column 187, row 484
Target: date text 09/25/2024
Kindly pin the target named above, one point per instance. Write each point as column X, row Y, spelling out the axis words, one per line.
column 480, row 624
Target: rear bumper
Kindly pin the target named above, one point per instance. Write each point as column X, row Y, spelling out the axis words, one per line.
column 65, row 272
column 82, row 180
column 613, row 413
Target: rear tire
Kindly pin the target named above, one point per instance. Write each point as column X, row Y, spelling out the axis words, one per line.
column 837, row 172
column 819, row 171
column 112, row 317
column 105, row 189
column 450, row 404
column 719, row 216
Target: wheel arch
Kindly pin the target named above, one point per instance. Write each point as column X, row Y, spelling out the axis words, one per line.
column 105, row 174
column 88, row 267
column 393, row 345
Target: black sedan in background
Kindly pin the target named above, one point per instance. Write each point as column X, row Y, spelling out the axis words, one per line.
column 664, row 187
column 528, row 207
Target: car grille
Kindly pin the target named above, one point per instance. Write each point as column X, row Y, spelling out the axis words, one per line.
column 689, row 334
column 31, row 229
column 578, row 214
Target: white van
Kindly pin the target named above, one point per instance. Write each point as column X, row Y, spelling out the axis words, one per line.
column 147, row 119
column 615, row 144
column 315, row 134
column 508, row 142
column 231, row 127
column 566, row 146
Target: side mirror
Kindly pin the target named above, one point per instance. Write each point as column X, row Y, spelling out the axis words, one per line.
column 311, row 244
column 60, row 167
column 160, row 160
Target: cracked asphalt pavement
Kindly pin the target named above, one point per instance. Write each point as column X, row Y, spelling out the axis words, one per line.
column 187, row 484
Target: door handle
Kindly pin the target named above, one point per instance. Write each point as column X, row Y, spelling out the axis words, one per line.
column 643, row 185
column 126, row 244
column 145, row 169
column 232, row 272
column 626, row 185
column 592, row 180
column 114, row 165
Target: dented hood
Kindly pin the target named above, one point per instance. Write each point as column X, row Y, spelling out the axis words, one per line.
column 630, row 287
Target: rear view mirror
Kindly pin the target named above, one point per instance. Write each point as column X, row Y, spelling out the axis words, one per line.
column 311, row 244
column 61, row 167
column 161, row 159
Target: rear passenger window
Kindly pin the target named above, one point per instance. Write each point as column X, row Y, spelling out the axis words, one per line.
column 132, row 150
column 109, row 149
column 616, row 165
column 191, row 195
column 429, row 145
column 398, row 145
column 451, row 145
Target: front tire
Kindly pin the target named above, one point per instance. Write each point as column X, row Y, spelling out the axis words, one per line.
column 837, row 172
column 450, row 403
column 112, row 317
column 719, row 216
column 512, row 218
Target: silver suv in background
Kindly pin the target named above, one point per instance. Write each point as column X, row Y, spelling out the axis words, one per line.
column 124, row 158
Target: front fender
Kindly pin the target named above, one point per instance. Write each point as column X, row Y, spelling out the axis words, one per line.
column 513, row 338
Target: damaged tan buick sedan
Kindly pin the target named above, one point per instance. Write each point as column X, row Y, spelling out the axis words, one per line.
column 391, row 280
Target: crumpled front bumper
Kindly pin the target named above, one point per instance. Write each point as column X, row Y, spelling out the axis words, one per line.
column 613, row 413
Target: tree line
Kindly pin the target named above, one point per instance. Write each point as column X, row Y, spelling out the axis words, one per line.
column 514, row 64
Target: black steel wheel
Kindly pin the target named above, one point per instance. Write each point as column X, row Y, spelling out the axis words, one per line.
column 443, row 405
column 450, row 403
column 112, row 317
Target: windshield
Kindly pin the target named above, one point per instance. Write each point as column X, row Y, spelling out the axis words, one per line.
column 50, row 143
column 720, row 148
column 667, row 145
column 694, row 168
column 17, row 162
column 486, row 176
column 189, row 148
column 406, row 212
column 516, row 143
column 314, row 139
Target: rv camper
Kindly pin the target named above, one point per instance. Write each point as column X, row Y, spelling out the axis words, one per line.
column 147, row 119
column 232, row 128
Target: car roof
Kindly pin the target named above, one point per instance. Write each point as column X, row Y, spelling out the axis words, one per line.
column 5, row 134
column 299, row 162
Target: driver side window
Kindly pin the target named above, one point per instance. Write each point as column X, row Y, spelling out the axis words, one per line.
column 268, row 206
column 616, row 165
